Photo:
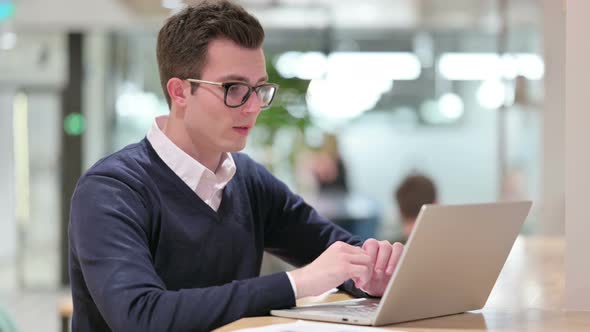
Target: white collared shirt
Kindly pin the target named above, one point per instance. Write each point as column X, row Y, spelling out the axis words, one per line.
column 206, row 184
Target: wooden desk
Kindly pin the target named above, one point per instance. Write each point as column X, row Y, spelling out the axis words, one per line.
column 528, row 296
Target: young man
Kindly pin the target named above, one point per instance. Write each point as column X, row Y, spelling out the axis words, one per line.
column 168, row 234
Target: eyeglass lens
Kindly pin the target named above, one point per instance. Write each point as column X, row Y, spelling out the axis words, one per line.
column 237, row 94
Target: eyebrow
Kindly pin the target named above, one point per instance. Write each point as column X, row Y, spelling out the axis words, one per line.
column 233, row 77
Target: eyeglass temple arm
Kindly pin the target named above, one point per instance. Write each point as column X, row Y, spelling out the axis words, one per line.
column 203, row 81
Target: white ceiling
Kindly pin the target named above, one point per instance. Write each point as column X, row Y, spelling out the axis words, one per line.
column 406, row 14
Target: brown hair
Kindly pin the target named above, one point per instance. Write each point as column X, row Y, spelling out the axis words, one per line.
column 414, row 191
column 183, row 40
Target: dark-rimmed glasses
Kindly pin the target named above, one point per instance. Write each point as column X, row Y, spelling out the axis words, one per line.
column 237, row 93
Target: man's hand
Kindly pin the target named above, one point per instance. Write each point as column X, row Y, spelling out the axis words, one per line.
column 384, row 257
column 334, row 266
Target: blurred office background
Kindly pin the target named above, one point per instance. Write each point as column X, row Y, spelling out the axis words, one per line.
column 452, row 89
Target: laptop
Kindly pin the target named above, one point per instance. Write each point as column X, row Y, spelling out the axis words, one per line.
column 449, row 265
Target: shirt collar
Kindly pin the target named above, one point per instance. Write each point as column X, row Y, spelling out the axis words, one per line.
column 183, row 165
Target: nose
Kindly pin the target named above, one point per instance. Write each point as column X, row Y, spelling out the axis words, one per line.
column 253, row 104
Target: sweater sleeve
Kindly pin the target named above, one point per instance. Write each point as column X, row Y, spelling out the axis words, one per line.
column 109, row 241
column 295, row 232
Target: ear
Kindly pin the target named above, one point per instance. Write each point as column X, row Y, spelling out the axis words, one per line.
column 178, row 92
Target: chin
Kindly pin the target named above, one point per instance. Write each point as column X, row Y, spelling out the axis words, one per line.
column 236, row 147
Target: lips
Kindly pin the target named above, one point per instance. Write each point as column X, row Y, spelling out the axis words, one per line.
column 242, row 130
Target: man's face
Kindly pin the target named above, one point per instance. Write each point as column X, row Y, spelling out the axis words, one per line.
column 211, row 125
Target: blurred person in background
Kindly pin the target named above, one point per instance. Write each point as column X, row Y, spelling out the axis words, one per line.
column 332, row 197
column 414, row 191
column 168, row 233
column 328, row 168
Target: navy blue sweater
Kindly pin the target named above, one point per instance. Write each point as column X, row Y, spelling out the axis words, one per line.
column 147, row 254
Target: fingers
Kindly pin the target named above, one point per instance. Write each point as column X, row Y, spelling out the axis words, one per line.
column 358, row 273
column 353, row 254
column 345, row 247
column 371, row 247
column 371, row 264
column 383, row 255
column 380, row 251
column 338, row 263
column 360, row 267
column 356, row 263
column 396, row 252
column 360, row 259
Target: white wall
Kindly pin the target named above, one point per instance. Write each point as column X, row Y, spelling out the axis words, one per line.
column 383, row 147
column 553, row 181
column 7, row 218
column 577, row 157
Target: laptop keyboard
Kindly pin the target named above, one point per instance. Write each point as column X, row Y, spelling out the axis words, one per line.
column 361, row 310
column 367, row 310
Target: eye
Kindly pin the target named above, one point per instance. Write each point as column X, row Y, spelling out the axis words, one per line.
column 236, row 93
column 237, row 90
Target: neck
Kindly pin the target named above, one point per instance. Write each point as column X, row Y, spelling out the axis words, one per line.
column 177, row 133
column 408, row 225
